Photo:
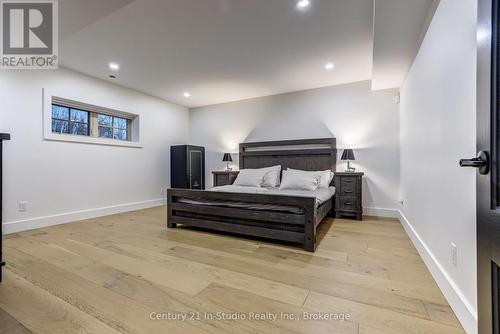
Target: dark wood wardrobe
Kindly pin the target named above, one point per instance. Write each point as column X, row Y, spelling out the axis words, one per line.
column 187, row 167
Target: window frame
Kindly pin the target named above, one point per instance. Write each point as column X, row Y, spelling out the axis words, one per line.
column 133, row 123
column 70, row 122
column 113, row 127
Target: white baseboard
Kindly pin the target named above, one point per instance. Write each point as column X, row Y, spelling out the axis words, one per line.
column 381, row 212
column 33, row 223
column 465, row 312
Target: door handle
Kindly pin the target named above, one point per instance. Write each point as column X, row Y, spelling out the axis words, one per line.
column 481, row 162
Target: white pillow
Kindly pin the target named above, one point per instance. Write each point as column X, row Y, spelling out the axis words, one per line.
column 272, row 176
column 250, row 178
column 297, row 180
column 326, row 176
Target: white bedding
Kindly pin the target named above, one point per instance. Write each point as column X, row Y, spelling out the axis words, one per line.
column 321, row 194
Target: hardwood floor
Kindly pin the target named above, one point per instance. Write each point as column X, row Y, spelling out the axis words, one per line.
column 113, row 274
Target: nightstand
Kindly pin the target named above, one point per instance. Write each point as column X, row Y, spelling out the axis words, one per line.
column 348, row 195
column 224, row 178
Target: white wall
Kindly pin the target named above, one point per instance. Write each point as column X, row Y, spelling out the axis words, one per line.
column 64, row 179
column 438, row 127
column 359, row 118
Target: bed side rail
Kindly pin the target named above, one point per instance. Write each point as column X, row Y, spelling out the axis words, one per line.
column 243, row 197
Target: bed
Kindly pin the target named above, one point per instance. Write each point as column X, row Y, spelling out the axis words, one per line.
column 267, row 213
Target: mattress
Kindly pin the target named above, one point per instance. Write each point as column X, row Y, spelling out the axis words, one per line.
column 321, row 195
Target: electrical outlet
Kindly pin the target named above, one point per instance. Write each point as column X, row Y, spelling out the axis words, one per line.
column 454, row 254
column 23, row 206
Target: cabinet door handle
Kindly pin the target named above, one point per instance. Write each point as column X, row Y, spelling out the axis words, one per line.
column 348, row 181
column 348, row 203
column 348, row 191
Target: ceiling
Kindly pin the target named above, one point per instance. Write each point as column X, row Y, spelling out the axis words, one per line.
column 228, row 50
column 398, row 30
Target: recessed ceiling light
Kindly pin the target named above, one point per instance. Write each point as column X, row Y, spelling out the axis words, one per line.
column 187, row 94
column 303, row 4
column 114, row 66
column 329, row 66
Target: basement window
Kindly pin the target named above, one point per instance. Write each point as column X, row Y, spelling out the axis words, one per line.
column 113, row 127
column 74, row 121
column 70, row 121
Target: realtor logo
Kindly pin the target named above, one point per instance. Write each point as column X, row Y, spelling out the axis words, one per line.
column 29, row 34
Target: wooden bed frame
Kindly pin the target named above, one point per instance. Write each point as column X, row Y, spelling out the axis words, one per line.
column 305, row 154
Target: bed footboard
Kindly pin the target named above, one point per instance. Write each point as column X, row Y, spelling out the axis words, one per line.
column 291, row 218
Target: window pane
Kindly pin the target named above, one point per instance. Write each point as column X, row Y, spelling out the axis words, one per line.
column 80, row 129
column 106, row 132
column 105, row 120
column 60, row 112
column 120, row 134
column 119, row 123
column 79, row 116
column 59, row 126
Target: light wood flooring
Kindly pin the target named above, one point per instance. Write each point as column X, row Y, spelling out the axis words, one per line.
column 109, row 275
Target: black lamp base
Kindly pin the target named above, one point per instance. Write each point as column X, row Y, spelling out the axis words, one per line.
column 349, row 168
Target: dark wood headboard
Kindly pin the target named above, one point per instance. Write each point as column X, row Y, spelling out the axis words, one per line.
column 304, row 154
